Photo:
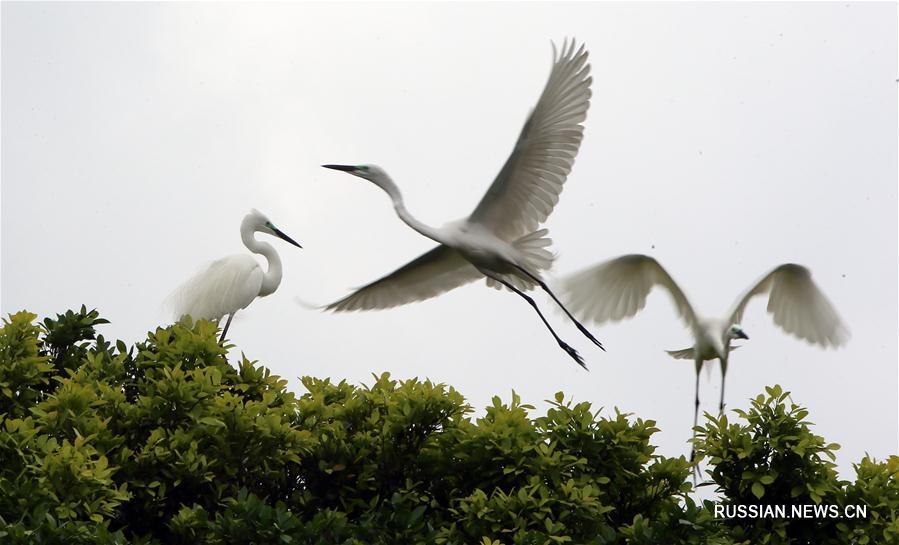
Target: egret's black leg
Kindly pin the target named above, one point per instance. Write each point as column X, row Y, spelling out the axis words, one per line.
column 579, row 325
column 723, row 373
column 227, row 325
column 568, row 349
column 696, row 401
column 695, row 421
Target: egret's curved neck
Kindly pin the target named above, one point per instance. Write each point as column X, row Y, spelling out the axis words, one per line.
column 271, row 279
column 385, row 183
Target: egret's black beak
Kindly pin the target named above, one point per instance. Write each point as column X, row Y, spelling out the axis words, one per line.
column 742, row 335
column 345, row 168
column 286, row 238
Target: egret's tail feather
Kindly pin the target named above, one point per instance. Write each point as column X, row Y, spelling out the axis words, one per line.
column 533, row 246
column 536, row 257
column 709, row 366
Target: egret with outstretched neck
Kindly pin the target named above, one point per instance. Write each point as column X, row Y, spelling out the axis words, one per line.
column 230, row 284
column 500, row 240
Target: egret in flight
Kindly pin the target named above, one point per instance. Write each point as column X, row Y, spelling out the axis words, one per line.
column 500, row 240
column 618, row 288
column 233, row 282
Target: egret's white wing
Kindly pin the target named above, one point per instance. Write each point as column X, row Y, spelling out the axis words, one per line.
column 618, row 288
column 431, row 274
column 528, row 186
column 797, row 305
column 224, row 286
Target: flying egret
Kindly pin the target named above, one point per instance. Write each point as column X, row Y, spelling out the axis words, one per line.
column 618, row 288
column 500, row 240
column 233, row 282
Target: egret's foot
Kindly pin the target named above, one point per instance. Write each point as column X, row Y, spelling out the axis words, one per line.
column 695, row 470
column 573, row 353
column 589, row 335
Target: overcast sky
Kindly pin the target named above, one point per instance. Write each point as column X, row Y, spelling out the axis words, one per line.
column 723, row 139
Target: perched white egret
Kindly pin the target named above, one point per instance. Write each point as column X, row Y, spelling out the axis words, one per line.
column 500, row 240
column 231, row 283
column 618, row 288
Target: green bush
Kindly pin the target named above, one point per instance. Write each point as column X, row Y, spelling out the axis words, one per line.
column 168, row 442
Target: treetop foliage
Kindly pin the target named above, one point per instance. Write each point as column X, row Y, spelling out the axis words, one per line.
column 166, row 442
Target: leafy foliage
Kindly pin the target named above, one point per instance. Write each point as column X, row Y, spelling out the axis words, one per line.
column 772, row 458
column 167, row 442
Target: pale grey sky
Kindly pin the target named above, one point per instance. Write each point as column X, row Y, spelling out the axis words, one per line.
column 723, row 139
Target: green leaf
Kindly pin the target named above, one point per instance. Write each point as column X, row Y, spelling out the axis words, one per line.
column 417, row 514
column 211, row 421
column 758, row 490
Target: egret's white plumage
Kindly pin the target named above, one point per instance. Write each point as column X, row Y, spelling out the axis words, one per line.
column 500, row 240
column 231, row 283
column 618, row 289
column 225, row 285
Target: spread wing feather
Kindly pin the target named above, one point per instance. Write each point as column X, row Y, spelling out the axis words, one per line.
column 527, row 188
column 617, row 289
column 437, row 271
column 797, row 306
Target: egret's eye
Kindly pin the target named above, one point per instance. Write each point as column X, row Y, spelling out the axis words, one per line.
column 269, row 225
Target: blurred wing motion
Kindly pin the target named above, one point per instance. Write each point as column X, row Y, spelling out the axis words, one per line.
column 438, row 271
column 226, row 285
column 528, row 186
column 690, row 354
column 685, row 354
column 797, row 305
column 618, row 288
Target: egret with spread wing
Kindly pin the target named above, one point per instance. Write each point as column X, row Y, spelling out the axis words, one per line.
column 232, row 283
column 500, row 240
column 617, row 289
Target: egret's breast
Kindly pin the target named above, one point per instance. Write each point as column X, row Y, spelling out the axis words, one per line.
column 708, row 339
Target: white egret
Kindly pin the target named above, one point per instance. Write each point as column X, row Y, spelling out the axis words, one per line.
column 618, row 288
column 231, row 283
column 500, row 240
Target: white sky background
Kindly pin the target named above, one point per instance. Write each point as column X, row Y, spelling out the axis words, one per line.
column 723, row 139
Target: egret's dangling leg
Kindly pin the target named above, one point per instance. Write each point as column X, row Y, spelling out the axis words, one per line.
column 723, row 373
column 571, row 351
column 227, row 325
column 579, row 325
column 698, row 365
